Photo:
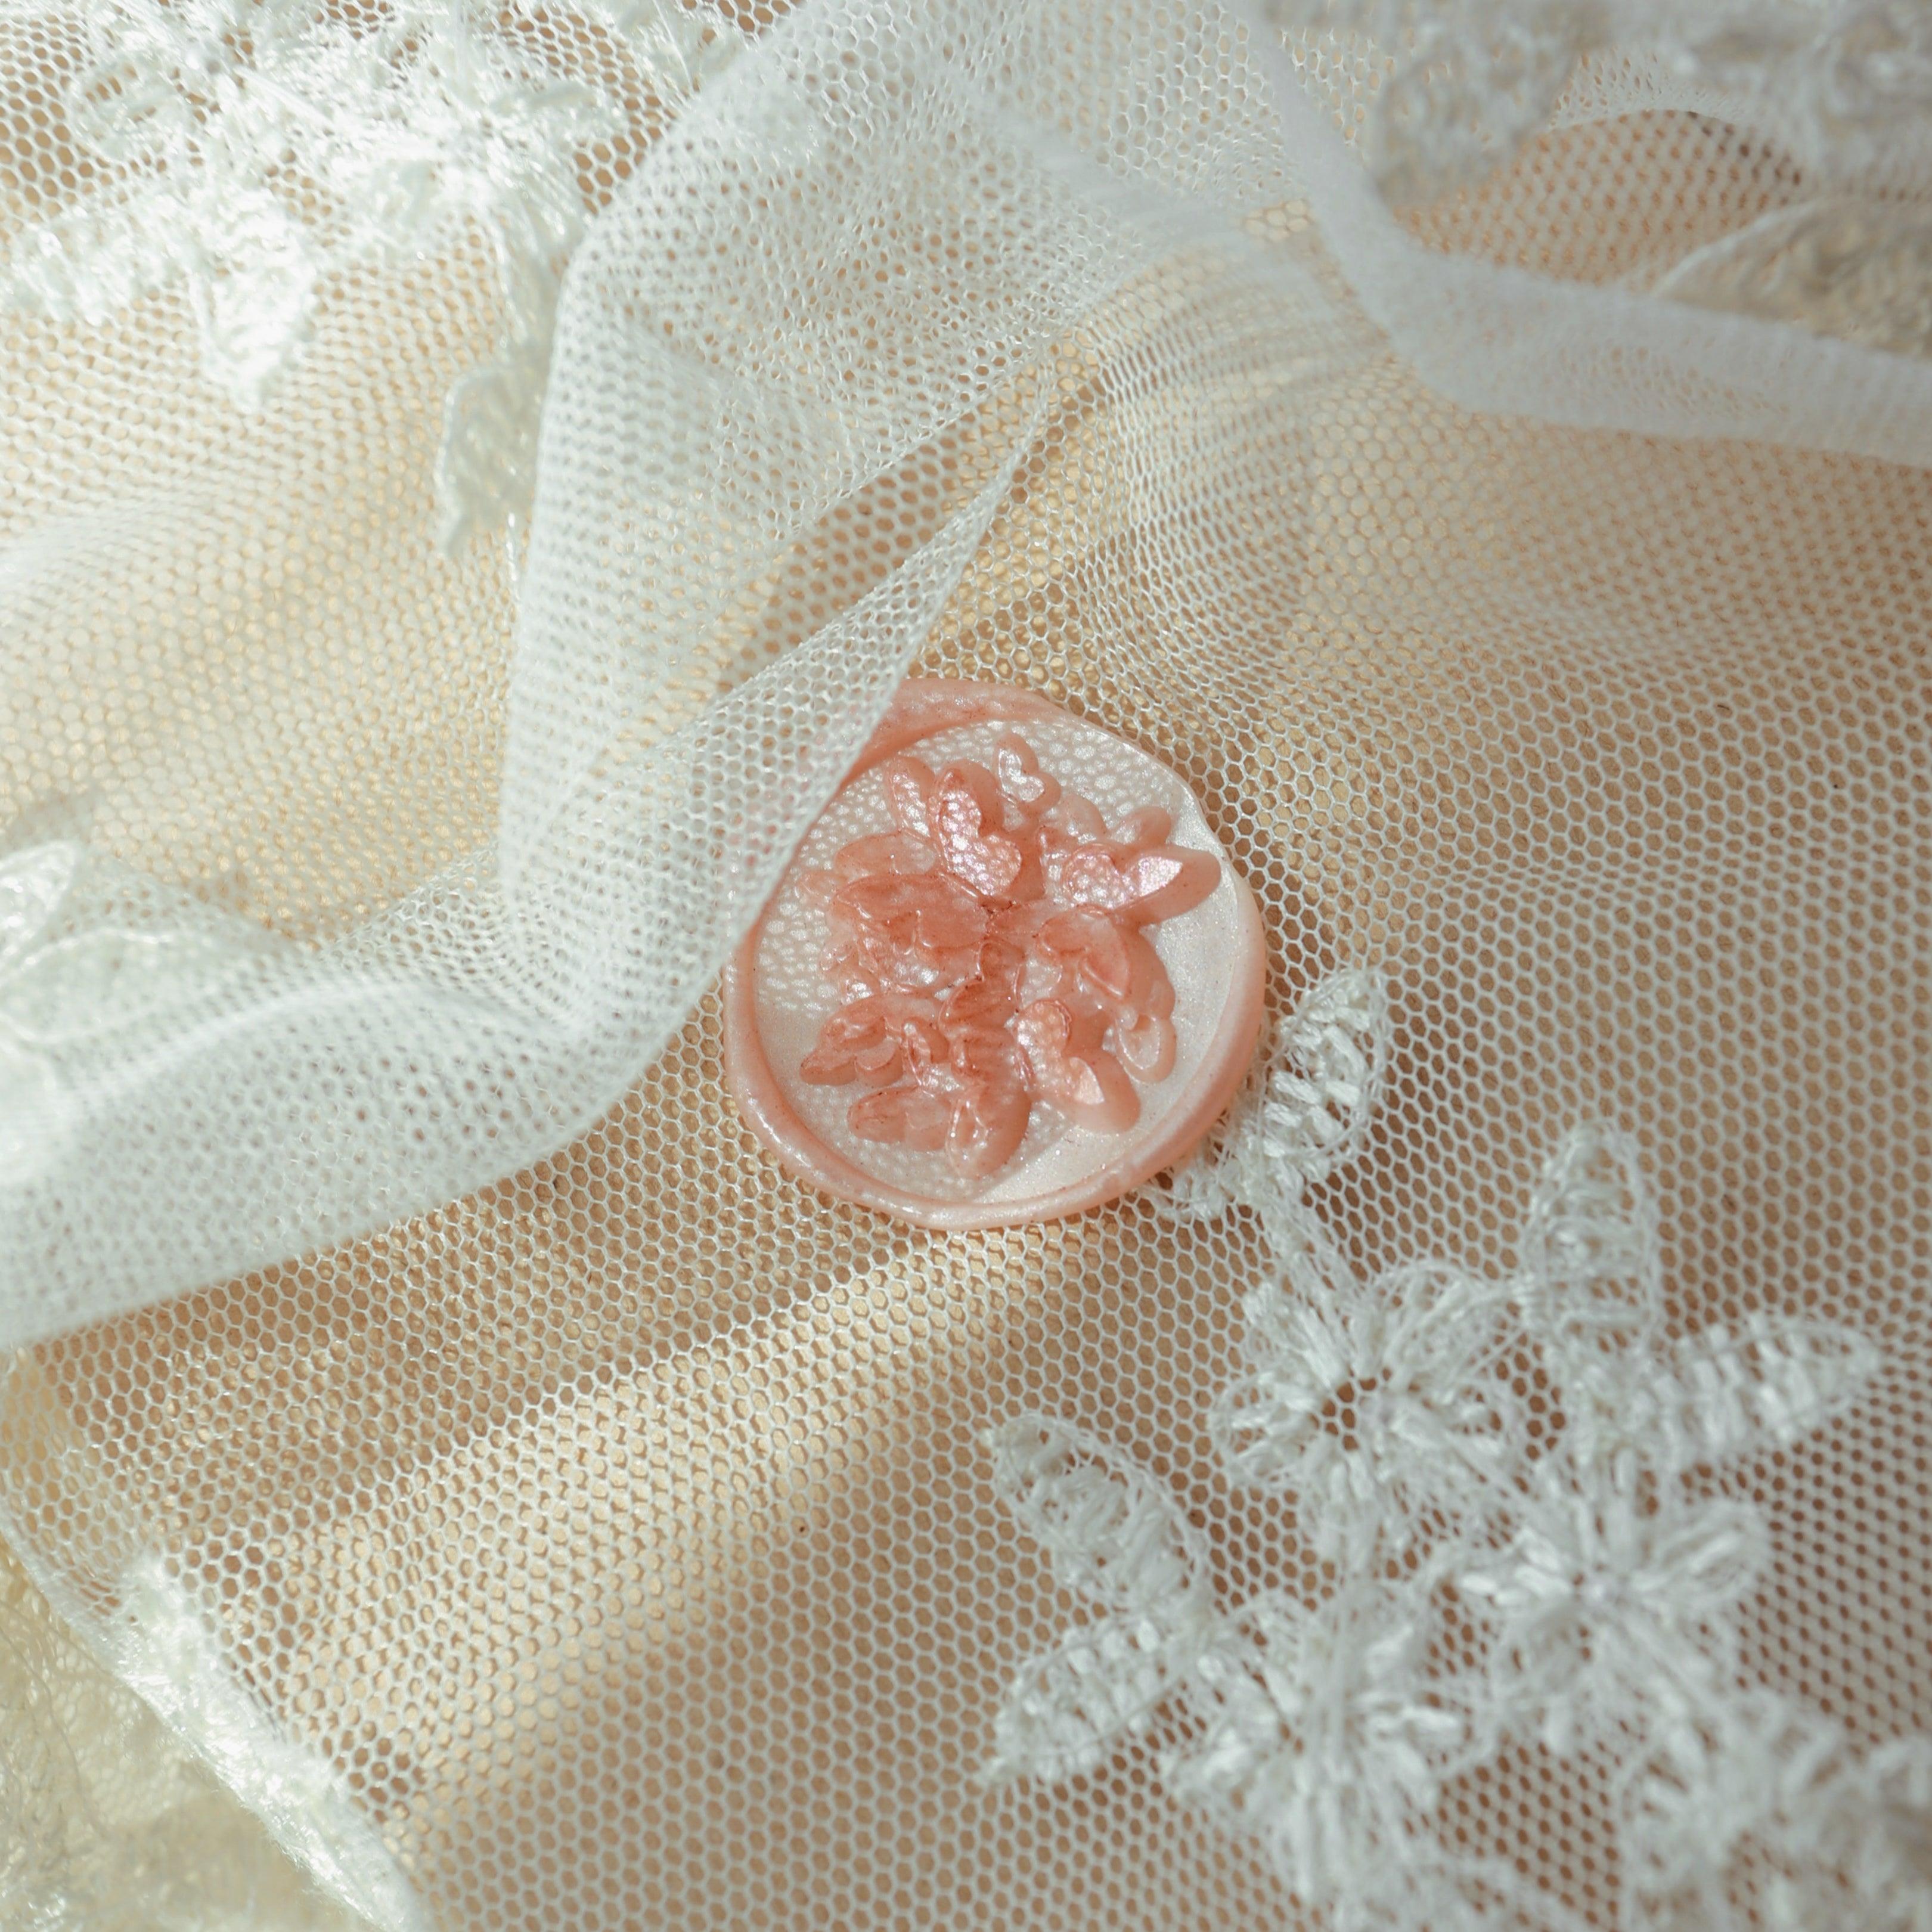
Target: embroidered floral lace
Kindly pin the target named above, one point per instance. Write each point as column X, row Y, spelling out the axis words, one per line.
column 1511, row 1483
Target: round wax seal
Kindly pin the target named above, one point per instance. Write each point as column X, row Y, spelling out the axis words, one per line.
column 1010, row 975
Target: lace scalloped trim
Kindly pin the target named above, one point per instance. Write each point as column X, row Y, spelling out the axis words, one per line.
column 1509, row 1481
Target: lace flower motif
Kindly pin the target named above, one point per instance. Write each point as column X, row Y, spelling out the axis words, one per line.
column 1573, row 1586
column 1380, row 1412
column 247, row 151
column 1118, row 1539
column 1861, row 271
column 1314, row 1731
column 1609, row 1607
column 1323, row 1734
column 1467, row 82
column 1873, row 1861
column 1590, row 1293
column 1307, row 1113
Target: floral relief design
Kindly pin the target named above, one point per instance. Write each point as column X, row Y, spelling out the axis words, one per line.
column 247, row 151
column 1511, row 1485
column 990, row 956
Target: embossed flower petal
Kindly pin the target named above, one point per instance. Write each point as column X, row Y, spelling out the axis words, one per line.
column 1145, row 884
column 1080, row 1047
column 886, row 852
column 1145, row 1042
column 908, row 785
column 1100, row 957
column 989, row 1108
column 1021, row 779
column 1074, row 820
column 937, row 915
column 965, row 815
column 904, row 1116
column 865, row 1040
column 1072, row 1070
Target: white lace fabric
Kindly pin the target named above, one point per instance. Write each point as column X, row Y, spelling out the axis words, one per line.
column 1511, row 1482
column 475, row 476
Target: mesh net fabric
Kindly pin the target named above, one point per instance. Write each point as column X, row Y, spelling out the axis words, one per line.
column 534, row 1507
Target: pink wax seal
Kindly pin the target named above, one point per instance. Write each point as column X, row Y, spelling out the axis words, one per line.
column 1010, row 975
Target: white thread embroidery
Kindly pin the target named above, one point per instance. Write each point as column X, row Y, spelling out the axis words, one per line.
column 1606, row 1607
column 1509, row 1481
column 249, row 151
column 1307, row 1115
column 1761, row 1813
column 1319, row 1734
column 1374, row 1411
